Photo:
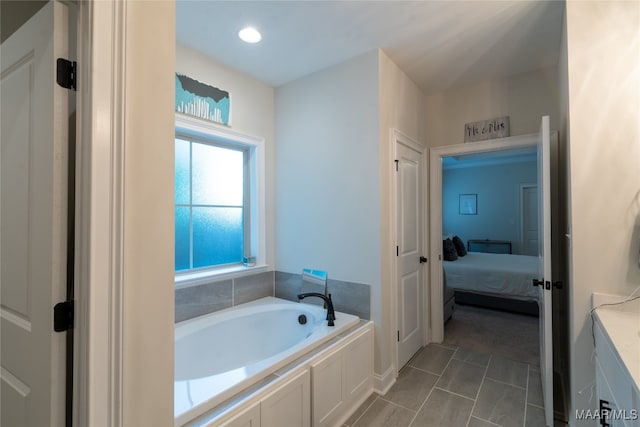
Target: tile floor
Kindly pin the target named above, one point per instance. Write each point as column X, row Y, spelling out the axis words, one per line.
column 450, row 386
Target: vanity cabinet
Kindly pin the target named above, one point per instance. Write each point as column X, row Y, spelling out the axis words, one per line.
column 617, row 398
column 340, row 381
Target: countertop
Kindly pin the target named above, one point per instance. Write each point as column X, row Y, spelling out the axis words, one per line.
column 621, row 326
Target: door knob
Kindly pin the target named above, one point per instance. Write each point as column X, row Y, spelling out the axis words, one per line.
column 423, row 260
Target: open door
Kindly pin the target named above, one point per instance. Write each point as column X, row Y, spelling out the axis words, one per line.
column 545, row 281
column 33, row 179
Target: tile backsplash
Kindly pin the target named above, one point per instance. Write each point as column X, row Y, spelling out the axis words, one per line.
column 348, row 297
column 197, row 300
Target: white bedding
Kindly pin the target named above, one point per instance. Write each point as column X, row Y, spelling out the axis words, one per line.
column 504, row 275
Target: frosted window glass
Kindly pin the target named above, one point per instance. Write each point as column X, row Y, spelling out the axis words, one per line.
column 182, row 172
column 218, row 236
column 182, row 230
column 217, row 175
column 209, row 216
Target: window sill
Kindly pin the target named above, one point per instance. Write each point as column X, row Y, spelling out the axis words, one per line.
column 183, row 280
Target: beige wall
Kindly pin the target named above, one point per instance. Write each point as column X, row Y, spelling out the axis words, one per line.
column 603, row 65
column 524, row 98
column 253, row 113
column 402, row 107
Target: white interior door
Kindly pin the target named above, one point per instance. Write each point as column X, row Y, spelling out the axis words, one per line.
column 409, row 251
column 33, row 215
column 545, row 289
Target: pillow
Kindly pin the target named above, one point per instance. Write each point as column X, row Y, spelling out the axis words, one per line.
column 460, row 249
column 449, row 250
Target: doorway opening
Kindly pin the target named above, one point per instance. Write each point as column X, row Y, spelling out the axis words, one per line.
column 493, row 308
column 510, row 246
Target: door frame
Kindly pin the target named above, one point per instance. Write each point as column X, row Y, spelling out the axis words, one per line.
column 435, row 225
column 99, row 231
column 397, row 137
column 114, row 276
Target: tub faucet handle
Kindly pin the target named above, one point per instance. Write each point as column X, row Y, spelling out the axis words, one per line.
column 331, row 314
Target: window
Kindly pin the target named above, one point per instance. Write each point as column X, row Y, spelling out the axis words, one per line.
column 217, row 186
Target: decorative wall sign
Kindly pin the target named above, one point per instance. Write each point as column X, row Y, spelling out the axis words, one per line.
column 468, row 204
column 487, row 129
column 202, row 101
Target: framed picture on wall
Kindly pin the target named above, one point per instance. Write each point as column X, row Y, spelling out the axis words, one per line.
column 203, row 101
column 468, row 204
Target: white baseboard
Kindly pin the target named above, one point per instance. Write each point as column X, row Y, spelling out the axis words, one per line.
column 382, row 383
column 354, row 406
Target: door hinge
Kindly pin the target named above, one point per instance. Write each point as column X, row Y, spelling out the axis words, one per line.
column 398, row 335
column 63, row 315
column 397, row 161
column 397, row 250
column 66, row 74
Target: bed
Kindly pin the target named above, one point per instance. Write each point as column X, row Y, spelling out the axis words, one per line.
column 478, row 278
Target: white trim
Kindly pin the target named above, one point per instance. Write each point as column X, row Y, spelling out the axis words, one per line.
column 435, row 182
column 99, row 229
column 382, row 383
column 198, row 127
column 397, row 137
column 205, row 128
column 199, row 278
column 394, row 134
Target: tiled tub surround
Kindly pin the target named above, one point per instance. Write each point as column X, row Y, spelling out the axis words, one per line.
column 197, row 300
column 348, row 297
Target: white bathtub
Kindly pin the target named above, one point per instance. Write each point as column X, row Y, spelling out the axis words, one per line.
column 219, row 354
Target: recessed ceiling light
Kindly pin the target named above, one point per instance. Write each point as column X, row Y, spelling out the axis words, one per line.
column 250, row 35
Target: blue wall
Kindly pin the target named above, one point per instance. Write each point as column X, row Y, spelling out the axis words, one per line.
column 498, row 207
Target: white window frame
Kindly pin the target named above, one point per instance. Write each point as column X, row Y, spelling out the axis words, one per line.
column 201, row 129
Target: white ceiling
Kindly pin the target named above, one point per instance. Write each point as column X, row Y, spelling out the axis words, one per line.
column 439, row 44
